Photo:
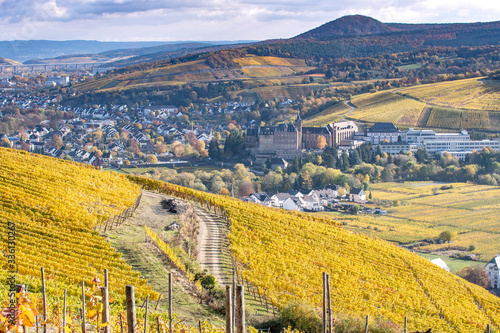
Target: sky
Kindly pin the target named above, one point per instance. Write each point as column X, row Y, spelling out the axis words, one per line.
column 215, row 20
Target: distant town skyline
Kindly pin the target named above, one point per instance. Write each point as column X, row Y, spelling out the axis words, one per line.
column 209, row 20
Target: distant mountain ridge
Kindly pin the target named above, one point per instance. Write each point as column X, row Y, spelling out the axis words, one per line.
column 24, row 50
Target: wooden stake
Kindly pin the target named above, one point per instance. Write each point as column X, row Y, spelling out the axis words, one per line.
column 240, row 309
column 329, row 304
column 44, row 300
column 199, row 324
column 105, row 310
column 159, row 298
column 488, row 329
column 366, row 325
column 406, row 324
column 233, row 310
column 64, row 311
column 170, row 329
column 158, row 326
column 84, row 323
column 106, row 280
column 146, row 315
column 121, row 323
column 131, row 317
column 324, row 302
column 229, row 310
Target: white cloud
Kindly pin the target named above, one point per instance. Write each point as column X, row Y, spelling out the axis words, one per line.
column 215, row 19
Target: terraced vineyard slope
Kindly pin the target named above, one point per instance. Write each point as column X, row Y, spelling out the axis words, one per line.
column 53, row 207
column 452, row 105
column 284, row 254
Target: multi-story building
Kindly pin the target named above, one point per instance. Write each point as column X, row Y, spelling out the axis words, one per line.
column 419, row 136
column 343, row 131
column 382, row 132
column 288, row 140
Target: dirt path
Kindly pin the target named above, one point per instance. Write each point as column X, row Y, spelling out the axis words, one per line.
column 211, row 241
column 128, row 239
column 211, row 244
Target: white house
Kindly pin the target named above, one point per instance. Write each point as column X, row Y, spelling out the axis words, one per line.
column 439, row 262
column 492, row 269
column 357, row 194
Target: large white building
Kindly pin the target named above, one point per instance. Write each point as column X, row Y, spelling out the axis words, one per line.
column 459, row 145
column 419, row 136
column 492, row 269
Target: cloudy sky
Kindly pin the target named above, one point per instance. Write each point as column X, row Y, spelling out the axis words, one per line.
column 172, row 20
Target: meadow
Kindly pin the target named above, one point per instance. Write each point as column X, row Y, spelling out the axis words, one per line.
column 469, row 210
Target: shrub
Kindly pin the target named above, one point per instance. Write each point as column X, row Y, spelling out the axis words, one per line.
column 447, row 236
column 301, row 317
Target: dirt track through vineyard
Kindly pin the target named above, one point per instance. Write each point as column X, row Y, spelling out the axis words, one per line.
column 211, row 241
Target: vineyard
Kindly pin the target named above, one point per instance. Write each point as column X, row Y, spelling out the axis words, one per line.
column 474, row 94
column 284, row 254
column 54, row 207
column 281, row 254
column 470, row 210
column 387, row 107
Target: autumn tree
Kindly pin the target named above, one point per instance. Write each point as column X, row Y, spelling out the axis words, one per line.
column 320, row 142
column 476, row 275
column 57, row 141
column 178, row 149
column 152, row 159
column 245, row 189
column 224, row 191
column 6, row 143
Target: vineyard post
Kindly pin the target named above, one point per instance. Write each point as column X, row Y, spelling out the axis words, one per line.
column 233, row 304
column 146, row 315
column 488, row 329
column 158, row 327
column 83, row 308
column 229, row 310
column 240, row 309
column 170, row 302
column 64, row 311
column 121, row 323
column 406, row 324
column 367, row 322
column 158, row 302
column 199, row 325
column 105, row 310
column 131, row 317
column 106, row 283
column 329, row 304
column 44, row 299
column 324, row 302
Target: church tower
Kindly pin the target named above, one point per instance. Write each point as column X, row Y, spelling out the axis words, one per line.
column 298, row 127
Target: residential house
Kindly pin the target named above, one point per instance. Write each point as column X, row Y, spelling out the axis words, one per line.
column 357, row 195
column 493, row 270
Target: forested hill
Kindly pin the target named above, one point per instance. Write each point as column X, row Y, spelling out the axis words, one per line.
column 348, row 25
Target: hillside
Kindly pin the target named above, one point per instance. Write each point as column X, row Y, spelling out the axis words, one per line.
column 284, row 254
column 471, row 104
column 347, row 26
column 424, row 215
column 204, row 69
column 4, row 61
column 54, row 207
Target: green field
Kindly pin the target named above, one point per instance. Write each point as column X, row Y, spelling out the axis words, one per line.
column 453, row 263
column 469, row 210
